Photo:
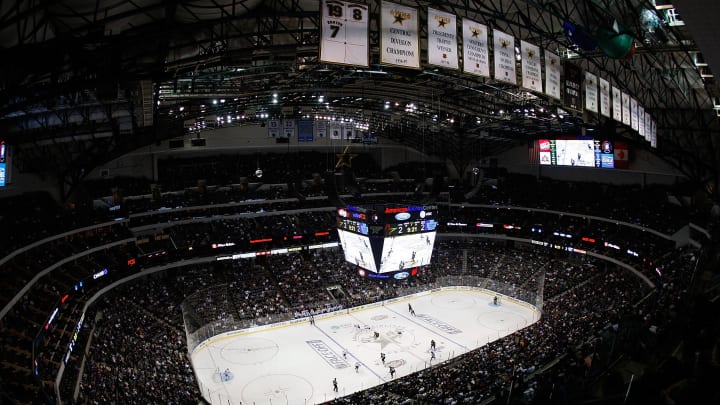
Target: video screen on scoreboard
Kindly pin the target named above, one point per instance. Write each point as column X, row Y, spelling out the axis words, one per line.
column 406, row 251
column 356, row 249
column 3, row 167
column 576, row 152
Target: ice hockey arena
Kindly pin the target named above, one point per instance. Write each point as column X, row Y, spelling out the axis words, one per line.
column 383, row 202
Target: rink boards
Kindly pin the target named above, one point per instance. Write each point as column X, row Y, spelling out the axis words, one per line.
column 295, row 362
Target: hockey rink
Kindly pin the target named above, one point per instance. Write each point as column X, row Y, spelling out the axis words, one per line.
column 295, row 362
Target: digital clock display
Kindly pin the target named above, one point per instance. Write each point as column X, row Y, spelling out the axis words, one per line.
column 353, row 226
column 403, row 228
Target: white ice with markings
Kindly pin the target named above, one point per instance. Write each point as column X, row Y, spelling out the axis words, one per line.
column 295, row 363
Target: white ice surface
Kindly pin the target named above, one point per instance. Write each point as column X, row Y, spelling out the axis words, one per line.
column 295, row 363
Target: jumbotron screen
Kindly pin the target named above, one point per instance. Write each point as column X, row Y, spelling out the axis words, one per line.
column 576, row 152
column 356, row 249
column 387, row 238
column 407, row 251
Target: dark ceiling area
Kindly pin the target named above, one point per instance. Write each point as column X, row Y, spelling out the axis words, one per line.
column 84, row 82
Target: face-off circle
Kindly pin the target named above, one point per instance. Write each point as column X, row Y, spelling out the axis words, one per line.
column 501, row 320
column 248, row 350
column 455, row 302
column 277, row 388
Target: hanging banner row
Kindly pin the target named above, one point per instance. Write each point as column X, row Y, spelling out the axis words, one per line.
column 308, row 130
column 345, row 41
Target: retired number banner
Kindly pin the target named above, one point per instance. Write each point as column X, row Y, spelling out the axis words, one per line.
column 344, row 37
column 552, row 75
column 633, row 113
column 504, row 47
column 321, row 129
column 399, row 40
column 442, row 39
column 273, row 128
column 531, row 70
column 288, row 128
column 475, row 48
column 334, row 130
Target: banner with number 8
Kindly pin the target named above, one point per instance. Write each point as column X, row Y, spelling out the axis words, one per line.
column 344, row 33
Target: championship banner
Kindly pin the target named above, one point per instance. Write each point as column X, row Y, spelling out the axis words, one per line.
column 531, row 70
column 475, row 48
column 648, row 126
column 641, row 122
column 305, row 130
column 334, row 130
column 552, row 75
column 633, row 113
column 288, row 128
column 604, row 97
column 273, row 128
column 321, row 129
column 344, row 33
column 504, row 47
column 442, row 39
column 625, row 108
column 653, row 134
column 399, row 41
column 591, row 93
column 617, row 104
column 573, row 79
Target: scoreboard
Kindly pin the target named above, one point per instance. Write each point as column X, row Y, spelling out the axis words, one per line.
column 387, row 240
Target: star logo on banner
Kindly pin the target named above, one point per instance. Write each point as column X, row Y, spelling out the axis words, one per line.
column 530, row 53
column 442, row 22
column 553, row 61
column 345, row 158
column 504, row 43
column 475, row 32
column 399, row 17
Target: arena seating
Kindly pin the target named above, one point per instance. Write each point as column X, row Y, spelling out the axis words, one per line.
column 670, row 270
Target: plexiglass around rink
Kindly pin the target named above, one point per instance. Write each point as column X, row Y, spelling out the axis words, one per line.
column 291, row 360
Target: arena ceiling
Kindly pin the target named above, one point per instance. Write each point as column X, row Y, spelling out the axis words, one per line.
column 82, row 82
